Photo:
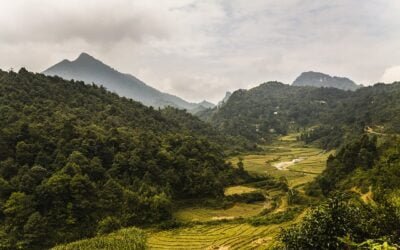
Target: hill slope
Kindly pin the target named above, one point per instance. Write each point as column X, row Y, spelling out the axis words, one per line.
column 76, row 159
column 90, row 70
column 316, row 79
column 329, row 114
column 273, row 108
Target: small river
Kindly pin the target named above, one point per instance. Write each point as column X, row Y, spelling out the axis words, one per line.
column 285, row 164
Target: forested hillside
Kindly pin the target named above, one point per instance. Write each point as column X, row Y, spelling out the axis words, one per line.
column 76, row 160
column 274, row 108
column 324, row 115
column 359, row 188
column 363, row 210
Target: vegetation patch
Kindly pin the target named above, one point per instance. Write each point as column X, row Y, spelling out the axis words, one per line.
column 127, row 239
column 205, row 214
column 239, row 190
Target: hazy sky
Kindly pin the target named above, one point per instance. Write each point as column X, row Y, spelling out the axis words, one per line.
column 200, row 49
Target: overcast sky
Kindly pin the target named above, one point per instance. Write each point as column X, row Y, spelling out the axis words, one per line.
column 201, row 49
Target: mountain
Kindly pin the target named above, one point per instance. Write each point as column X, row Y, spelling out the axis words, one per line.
column 202, row 107
column 206, row 104
column 317, row 79
column 91, row 70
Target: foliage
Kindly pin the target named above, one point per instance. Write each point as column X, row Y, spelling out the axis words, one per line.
column 294, row 197
column 108, row 225
column 365, row 164
column 247, row 197
column 126, row 239
column 275, row 218
column 273, row 109
column 328, row 136
column 326, row 225
column 327, row 116
column 76, row 159
column 358, row 154
column 369, row 244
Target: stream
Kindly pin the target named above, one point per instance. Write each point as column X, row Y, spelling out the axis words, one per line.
column 285, row 164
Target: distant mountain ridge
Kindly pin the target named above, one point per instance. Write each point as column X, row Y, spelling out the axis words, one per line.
column 91, row 70
column 207, row 104
column 317, row 79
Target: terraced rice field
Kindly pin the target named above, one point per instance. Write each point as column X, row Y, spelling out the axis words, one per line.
column 239, row 190
column 196, row 213
column 224, row 236
column 207, row 214
column 312, row 161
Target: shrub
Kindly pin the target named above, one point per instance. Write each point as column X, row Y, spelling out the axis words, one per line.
column 108, row 225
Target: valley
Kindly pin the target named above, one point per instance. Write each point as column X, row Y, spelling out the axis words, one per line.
column 204, row 227
column 199, row 125
column 82, row 168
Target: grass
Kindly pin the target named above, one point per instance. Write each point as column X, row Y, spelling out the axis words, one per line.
column 124, row 239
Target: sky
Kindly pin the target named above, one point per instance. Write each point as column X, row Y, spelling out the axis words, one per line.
column 199, row 49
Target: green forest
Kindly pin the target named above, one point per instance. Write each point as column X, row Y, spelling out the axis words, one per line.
column 324, row 115
column 80, row 164
column 76, row 160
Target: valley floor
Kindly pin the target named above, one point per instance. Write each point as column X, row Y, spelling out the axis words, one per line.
column 226, row 228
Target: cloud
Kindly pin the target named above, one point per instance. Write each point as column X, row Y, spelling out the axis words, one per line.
column 92, row 21
column 198, row 49
column 391, row 74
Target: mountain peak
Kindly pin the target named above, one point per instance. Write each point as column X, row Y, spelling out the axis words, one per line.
column 85, row 57
column 318, row 79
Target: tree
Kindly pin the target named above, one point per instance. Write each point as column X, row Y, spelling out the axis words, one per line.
column 35, row 231
column 240, row 164
column 108, row 225
column 25, row 153
column 17, row 211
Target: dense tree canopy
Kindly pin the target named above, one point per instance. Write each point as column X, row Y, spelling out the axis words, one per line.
column 324, row 115
column 76, row 159
column 274, row 108
column 342, row 223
